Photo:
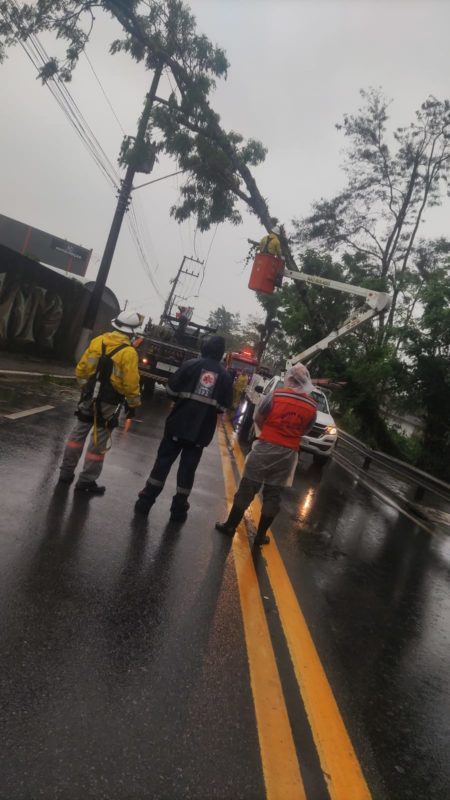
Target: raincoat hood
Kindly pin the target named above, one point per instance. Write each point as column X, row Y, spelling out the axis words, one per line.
column 299, row 379
column 214, row 347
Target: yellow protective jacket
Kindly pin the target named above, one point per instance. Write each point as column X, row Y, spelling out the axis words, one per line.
column 270, row 244
column 239, row 385
column 125, row 374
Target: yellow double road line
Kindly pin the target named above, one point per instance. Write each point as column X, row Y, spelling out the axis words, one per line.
column 340, row 766
column 278, row 755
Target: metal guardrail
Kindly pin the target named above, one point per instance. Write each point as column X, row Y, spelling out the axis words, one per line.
column 420, row 481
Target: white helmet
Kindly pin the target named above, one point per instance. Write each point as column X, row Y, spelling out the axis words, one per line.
column 276, row 230
column 126, row 323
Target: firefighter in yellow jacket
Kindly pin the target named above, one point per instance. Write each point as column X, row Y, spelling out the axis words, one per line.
column 108, row 372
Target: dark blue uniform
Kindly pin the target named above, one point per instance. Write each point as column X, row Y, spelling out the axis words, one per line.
column 201, row 389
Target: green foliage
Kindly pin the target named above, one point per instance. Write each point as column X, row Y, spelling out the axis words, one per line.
column 160, row 32
column 216, row 163
column 409, row 447
column 380, row 210
column 227, row 324
column 372, row 226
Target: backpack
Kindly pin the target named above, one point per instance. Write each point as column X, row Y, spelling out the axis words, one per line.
column 98, row 387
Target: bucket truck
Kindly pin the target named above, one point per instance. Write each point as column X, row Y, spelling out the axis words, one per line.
column 321, row 440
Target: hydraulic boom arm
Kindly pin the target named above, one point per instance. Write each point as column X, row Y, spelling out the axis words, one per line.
column 377, row 302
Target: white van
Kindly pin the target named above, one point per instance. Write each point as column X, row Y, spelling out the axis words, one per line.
column 321, row 440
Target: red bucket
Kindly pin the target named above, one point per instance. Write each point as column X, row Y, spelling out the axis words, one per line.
column 264, row 271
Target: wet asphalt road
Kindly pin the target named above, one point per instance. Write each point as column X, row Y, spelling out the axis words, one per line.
column 123, row 661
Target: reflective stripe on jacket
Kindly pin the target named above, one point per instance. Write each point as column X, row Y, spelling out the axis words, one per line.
column 291, row 415
column 125, row 374
column 201, row 389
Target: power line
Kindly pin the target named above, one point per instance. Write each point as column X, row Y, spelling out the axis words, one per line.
column 207, row 257
column 195, row 241
column 61, row 94
column 38, row 56
column 104, row 92
column 142, row 225
column 133, row 226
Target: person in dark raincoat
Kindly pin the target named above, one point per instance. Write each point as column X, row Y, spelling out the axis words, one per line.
column 201, row 389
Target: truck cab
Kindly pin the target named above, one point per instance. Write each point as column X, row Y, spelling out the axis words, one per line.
column 242, row 361
column 165, row 347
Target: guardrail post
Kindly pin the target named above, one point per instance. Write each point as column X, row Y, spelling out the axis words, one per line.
column 367, row 462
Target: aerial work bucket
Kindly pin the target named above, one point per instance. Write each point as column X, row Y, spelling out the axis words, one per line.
column 265, row 270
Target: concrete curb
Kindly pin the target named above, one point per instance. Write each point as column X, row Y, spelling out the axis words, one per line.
column 25, row 374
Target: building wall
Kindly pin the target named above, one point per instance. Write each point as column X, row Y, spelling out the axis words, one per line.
column 41, row 311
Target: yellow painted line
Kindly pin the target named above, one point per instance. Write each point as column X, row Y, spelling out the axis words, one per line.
column 281, row 770
column 341, row 768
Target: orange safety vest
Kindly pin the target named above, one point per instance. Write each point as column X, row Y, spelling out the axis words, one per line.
column 290, row 416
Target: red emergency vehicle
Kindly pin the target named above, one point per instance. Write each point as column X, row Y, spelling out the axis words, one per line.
column 244, row 361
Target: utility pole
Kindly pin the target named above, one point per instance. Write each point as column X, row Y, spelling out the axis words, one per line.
column 121, row 208
column 181, row 271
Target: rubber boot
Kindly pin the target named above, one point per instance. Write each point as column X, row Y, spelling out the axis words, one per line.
column 146, row 499
column 90, row 488
column 179, row 508
column 229, row 526
column 263, row 526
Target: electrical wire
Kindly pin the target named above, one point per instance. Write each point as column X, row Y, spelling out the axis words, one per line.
column 195, row 242
column 104, row 92
column 38, row 56
column 133, row 226
column 142, row 225
column 205, row 263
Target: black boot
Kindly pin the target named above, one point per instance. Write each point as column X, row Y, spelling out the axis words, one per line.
column 90, row 488
column 146, row 499
column 179, row 508
column 261, row 534
column 229, row 526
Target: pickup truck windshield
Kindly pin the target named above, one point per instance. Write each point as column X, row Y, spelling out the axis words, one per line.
column 321, row 401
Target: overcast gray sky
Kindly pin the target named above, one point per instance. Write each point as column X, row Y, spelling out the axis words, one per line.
column 296, row 67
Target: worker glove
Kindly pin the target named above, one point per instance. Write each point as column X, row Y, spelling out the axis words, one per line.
column 131, row 413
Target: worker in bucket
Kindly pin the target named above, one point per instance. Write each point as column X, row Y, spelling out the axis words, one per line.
column 283, row 417
column 271, row 243
column 201, row 389
column 109, row 375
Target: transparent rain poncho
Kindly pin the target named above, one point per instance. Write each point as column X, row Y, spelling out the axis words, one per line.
column 273, row 463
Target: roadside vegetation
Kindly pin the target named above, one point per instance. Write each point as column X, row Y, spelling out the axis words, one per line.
column 369, row 234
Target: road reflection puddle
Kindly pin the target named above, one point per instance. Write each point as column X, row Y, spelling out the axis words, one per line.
column 306, row 504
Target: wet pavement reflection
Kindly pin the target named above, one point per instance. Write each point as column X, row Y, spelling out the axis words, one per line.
column 123, row 667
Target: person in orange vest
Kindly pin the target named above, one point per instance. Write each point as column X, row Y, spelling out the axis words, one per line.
column 283, row 417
